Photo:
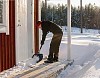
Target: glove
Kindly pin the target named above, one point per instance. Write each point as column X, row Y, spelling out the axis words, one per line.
column 42, row 42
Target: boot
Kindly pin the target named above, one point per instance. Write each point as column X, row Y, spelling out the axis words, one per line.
column 55, row 59
column 49, row 60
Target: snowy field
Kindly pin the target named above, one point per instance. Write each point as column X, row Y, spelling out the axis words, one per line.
column 85, row 51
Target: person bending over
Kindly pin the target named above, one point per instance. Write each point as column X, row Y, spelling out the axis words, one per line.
column 48, row 26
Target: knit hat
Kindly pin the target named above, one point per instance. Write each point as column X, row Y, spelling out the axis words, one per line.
column 38, row 23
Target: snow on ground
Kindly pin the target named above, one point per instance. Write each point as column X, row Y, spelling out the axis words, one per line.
column 85, row 51
column 94, row 71
column 83, row 48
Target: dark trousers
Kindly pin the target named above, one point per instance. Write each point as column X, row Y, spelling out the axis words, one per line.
column 54, row 46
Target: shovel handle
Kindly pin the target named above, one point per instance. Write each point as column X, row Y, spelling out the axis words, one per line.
column 40, row 47
column 38, row 51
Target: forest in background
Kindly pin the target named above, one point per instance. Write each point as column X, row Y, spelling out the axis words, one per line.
column 58, row 14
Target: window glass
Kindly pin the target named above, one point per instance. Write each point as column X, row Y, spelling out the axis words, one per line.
column 1, row 11
column 4, row 16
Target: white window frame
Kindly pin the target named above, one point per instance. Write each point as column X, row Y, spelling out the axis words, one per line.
column 4, row 27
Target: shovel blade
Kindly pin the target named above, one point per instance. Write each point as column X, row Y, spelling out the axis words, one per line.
column 38, row 55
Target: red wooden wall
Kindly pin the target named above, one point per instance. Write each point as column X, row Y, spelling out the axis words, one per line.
column 36, row 31
column 7, row 42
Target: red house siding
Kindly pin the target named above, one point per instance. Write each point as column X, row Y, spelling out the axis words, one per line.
column 36, row 31
column 7, row 42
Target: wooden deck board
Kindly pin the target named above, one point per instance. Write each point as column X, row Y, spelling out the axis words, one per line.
column 24, row 72
column 42, row 70
column 47, row 71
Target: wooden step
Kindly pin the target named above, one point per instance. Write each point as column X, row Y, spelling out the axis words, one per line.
column 32, row 68
column 52, row 73
column 42, row 70
column 47, row 71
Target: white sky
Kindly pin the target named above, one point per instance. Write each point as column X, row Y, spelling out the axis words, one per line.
column 75, row 2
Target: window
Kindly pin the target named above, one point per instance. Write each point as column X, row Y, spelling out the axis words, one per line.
column 4, row 16
column 1, row 11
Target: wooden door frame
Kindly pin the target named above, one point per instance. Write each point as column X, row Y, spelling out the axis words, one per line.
column 36, row 30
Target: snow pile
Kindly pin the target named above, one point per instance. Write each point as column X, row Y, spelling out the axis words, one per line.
column 74, row 69
column 69, row 71
column 94, row 71
column 23, row 65
column 78, row 71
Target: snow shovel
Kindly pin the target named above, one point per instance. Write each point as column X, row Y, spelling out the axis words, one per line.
column 39, row 55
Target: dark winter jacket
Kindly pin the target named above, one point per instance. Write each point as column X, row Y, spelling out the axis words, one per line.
column 48, row 26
